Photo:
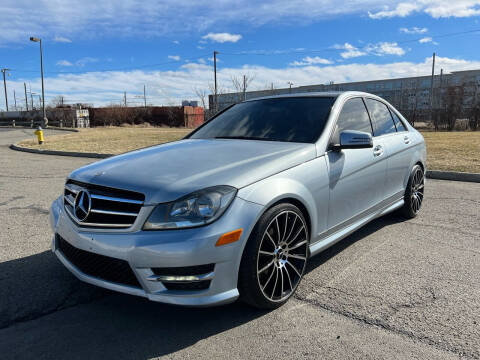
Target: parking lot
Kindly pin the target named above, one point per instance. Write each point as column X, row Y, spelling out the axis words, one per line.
column 394, row 289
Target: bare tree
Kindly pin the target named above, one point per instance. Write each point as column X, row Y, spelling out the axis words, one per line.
column 475, row 112
column 57, row 101
column 202, row 95
column 454, row 105
column 241, row 84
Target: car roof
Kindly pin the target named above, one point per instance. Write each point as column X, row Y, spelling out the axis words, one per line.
column 334, row 94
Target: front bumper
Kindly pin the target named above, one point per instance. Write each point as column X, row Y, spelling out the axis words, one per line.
column 144, row 250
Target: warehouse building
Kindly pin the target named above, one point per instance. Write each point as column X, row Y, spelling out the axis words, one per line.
column 411, row 95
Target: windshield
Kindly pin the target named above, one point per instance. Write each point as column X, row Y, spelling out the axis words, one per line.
column 290, row 119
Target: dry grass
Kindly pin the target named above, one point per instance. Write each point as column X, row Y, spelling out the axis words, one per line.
column 453, row 151
column 108, row 140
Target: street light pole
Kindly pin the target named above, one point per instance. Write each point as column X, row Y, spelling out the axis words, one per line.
column 45, row 120
column 5, row 87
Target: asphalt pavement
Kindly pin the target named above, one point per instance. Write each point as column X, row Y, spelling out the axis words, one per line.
column 394, row 289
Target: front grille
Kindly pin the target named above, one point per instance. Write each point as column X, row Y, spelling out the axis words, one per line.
column 110, row 208
column 99, row 266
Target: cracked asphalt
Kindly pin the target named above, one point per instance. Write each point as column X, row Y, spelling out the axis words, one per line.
column 394, row 289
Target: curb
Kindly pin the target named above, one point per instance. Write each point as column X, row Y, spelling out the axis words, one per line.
column 453, row 176
column 60, row 153
column 431, row 174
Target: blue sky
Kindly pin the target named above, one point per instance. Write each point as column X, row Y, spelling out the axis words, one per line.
column 96, row 50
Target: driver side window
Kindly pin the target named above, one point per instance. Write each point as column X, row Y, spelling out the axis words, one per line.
column 353, row 116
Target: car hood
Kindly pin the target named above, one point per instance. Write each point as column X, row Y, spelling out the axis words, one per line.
column 167, row 172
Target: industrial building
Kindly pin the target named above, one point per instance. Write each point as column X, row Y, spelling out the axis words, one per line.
column 411, row 95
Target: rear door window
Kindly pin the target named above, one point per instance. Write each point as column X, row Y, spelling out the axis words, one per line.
column 398, row 122
column 382, row 119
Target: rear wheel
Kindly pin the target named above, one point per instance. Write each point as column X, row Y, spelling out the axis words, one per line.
column 414, row 193
column 275, row 257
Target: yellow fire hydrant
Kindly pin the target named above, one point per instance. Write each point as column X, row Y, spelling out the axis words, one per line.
column 39, row 133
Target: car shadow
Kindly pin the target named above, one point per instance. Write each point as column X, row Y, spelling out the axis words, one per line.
column 110, row 325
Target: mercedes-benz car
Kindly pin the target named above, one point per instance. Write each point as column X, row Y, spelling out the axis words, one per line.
column 237, row 207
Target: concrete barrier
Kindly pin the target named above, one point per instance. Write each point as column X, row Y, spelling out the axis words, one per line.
column 453, row 176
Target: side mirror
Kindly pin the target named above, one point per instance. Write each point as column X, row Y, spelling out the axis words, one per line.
column 351, row 139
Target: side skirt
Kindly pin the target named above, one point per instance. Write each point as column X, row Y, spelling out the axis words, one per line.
column 350, row 227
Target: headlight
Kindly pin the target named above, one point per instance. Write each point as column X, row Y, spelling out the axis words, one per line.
column 197, row 209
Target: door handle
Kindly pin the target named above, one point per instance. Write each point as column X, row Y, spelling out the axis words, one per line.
column 406, row 140
column 378, row 150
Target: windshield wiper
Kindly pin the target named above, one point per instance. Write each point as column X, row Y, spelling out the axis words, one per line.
column 244, row 138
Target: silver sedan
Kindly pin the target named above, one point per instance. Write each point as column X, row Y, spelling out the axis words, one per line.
column 237, row 207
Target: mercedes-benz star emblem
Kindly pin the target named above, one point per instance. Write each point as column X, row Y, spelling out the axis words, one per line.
column 83, row 204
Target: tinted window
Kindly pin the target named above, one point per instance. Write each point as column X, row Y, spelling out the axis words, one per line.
column 398, row 122
column 292, row 119
column 381, row 117
column 354, row 116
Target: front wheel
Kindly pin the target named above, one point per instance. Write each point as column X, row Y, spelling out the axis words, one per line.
column 414, row 193
column 275, row 257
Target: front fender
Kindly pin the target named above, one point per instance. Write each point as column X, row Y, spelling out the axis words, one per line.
column 306, row 183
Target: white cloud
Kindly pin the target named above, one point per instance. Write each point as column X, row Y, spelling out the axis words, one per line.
column 222, row 37
column 350, row 51
column 385, row 48
column 401, row 10
column 425, row 40
column 311, row 61
column 434, row 8
column 174, row 57
column 61, row 39
column 80, row 62
column 414, row 30
column 176, row 42
column 64, row 63
column 378, row 49
column 170, row 87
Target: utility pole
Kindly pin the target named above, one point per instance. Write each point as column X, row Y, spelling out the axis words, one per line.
column 144, row 97
column 439, row 99
column 431, row 89
column 125, row 98
column 215, row 77
column 31, row 97
column 5, row 87
column 15, row 99
column 244, row 87
column 26, row 99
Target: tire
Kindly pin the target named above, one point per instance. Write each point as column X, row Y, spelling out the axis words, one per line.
column 275, row 257
column 414, row 193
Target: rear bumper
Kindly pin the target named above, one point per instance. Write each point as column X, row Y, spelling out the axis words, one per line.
column 144, row 250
